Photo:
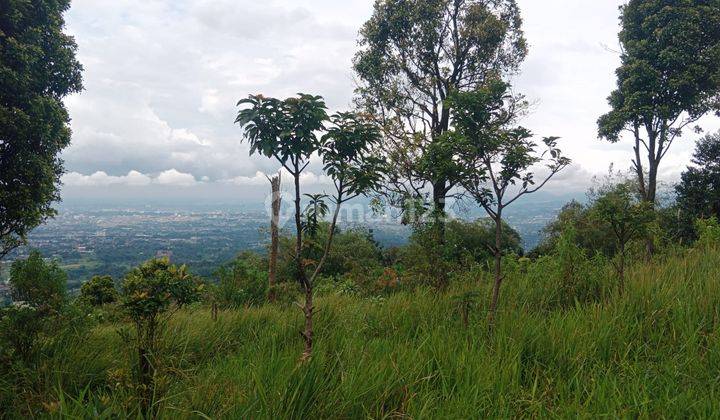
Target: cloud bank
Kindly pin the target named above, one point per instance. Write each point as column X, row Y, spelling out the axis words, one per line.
column 162, row 78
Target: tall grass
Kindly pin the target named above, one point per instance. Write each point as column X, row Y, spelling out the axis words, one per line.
column 653, row 351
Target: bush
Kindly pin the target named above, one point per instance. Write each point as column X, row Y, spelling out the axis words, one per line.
column 287, row 293
column 148, row 292
column 98, row 291
column 40, row 284
column 708, row 232
column 427, row 261
column 38, row 291
column 242, row 282
column 352, row 250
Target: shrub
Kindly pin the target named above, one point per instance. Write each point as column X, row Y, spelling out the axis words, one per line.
column 287, row 293
column 241, row 282
column 20, row 328
column 38, row 283
column 99, row 290
column 38, row 291
column 148, row 293
column 427, row 261
column 709, row 232
column 352, row 250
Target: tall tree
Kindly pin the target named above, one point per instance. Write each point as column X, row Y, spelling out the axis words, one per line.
column 698, row 194
column 37, row 70
column 497, row 158
column 287, row 130
column 668, row 79
column 414, row 53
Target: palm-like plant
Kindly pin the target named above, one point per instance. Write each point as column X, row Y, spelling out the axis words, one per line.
column 315, row 211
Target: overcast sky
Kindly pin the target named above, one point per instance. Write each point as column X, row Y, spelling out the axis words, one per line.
column 162, row 78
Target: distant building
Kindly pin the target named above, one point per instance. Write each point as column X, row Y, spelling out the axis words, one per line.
column 83, row 250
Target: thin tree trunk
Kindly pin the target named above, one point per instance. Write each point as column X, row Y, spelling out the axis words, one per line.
column 498, row 270
column 274, row 236
column 146, row 369
column 639, row 166
column 331, row 235
column 308, row 308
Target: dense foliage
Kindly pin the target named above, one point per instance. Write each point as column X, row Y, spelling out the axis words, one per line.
column 99, row 290
column 413, row 56
column 668, row 79
column 698, row 193
column 37, row 70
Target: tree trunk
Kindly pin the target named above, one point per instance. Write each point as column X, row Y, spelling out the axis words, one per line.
column 145, row 378
column 331, row 235
column 308, row 308
column 639, row 165
column 146, row 369
column 498, row 270
column 274, row 236
column 439, row 192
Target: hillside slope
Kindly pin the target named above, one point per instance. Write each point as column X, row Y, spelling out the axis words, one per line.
column 652, row 352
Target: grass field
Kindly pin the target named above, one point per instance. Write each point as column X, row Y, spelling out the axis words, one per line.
column 652, row 352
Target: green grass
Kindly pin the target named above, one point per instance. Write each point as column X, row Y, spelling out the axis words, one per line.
column 652, row 352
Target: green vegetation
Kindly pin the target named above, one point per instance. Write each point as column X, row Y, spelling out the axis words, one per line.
column 413, row 56
column 669, row 78
column 98, row 291
column 615, row 314
column 37, row 70
column 408, row 354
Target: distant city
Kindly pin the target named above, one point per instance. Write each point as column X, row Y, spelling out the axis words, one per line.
column 89, row 240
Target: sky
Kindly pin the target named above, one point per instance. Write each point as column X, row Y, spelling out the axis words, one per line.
column 162, row 79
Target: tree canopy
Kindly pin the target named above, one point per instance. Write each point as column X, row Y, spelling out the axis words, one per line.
column 413, row 55
column 38, row 69
column 698, row 193
column 668, row 79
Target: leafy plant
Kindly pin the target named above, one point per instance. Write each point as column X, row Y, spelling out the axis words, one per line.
column 149, row 292
column 39, row 69
column 627, row 218
column 413, row 56
column 99, row 290
column 497, row 158
column 286, row 130
column 709, row 233
column 315, row 211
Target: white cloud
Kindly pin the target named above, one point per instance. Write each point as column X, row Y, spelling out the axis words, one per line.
column 101, row 179
column 132, row 179
column 174, row 177
column 162, row 78
column 307, row 178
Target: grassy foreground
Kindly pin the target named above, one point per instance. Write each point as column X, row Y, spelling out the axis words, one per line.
column 652, row 352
